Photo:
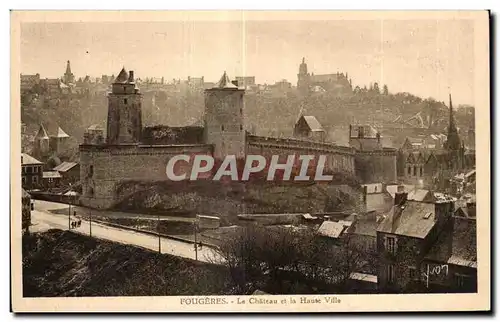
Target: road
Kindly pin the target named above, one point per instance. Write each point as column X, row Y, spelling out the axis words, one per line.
column 63, row 208
column 42, row 220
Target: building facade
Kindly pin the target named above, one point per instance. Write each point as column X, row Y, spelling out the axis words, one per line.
column 31, row 172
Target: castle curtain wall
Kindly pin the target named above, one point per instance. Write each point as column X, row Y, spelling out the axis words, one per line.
column 104, row 168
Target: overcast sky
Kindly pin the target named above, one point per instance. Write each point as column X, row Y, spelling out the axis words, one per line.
column 424, row 57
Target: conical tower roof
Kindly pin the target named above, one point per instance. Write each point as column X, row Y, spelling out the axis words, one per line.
column 42, row 133
column 68, row 67
column 224, row 82
column 61, row 133
column 122, row 76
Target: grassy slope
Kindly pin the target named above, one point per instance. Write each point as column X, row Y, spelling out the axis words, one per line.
column 59, row 263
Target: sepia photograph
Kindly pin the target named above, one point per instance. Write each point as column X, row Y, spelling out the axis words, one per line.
column 250, row 161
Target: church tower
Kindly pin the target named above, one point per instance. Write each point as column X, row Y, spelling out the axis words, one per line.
column 124, row 110
column 224, row 120
column 303, row 78
column 69, row 78
column 453, row 145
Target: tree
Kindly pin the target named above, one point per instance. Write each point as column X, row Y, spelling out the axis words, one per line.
column 386, row 90
column 376, row 88
column 283, row 260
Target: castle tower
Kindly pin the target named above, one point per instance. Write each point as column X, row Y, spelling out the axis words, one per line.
column 303, row 78
column 69, row 78
column 124, row 110
column 42, row 143
column 224, row 121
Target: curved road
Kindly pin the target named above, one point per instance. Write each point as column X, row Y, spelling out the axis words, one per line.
column 43, row 220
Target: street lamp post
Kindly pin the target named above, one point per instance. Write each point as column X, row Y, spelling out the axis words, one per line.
column 195, row 239
column 69, row 208
column 90, row 221
column 158, row 231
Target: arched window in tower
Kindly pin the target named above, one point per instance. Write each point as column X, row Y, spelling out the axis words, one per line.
column 415, row 170
column 421, row 171
column 241, row 127
column 125, row 101
column 222, row 128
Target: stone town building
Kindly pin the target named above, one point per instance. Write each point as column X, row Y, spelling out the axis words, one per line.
column 131, row 153
column 338, row 83
column 29, row 81
column 423, row 247
column 308, row 126
column 31, row 172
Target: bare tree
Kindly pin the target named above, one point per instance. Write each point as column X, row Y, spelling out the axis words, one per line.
column 260, row 257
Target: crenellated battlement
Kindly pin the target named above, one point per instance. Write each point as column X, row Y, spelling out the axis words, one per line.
column 299, row 144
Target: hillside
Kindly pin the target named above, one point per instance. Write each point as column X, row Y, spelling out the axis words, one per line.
column 228, row 199
column 267, row 114
column 60, row 263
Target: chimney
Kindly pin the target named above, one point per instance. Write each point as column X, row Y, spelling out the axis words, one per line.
column 400, row 198
column 444, row 210
column 471, row 209
column 361, row 132
column 131, row 76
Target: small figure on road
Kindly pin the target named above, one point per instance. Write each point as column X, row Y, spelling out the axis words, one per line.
column 79, row 222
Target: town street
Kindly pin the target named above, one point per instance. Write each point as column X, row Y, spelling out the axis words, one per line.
column 43, row 220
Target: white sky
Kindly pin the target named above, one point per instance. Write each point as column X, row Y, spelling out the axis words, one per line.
column 424, row 57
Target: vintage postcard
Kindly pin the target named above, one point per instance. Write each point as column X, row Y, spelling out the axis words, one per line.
column 233, row 161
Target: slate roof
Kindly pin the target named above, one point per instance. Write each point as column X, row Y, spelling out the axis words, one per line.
column 409, row 219
column 462, row 249
column 51, row 174
column 51, row 130
column 392, row 189
column 313, row 123
column 369, row 131
column 331, row 229
column 122, row 76
column 421, row 195
column 464, row 244
column 27, row 159
column 225, row 82
column 366, row 226
column 65, row 166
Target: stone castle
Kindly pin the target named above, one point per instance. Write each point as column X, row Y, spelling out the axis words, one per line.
column 130, row 152
column 338, row 83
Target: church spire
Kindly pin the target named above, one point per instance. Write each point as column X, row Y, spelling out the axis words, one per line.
column 453, row 141
column 68, row 75
column 68, row 68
